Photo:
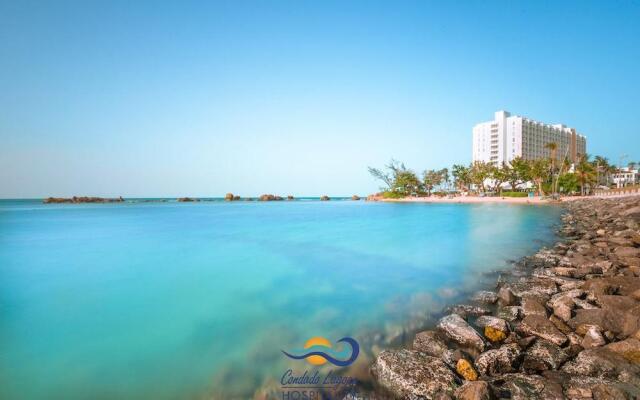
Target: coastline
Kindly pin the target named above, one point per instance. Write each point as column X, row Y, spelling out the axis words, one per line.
column 498, row 199
column 564, row 323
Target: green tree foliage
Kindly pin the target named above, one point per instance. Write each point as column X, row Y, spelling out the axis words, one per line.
column 462, row 176
column 586, row 173
column 480, row 172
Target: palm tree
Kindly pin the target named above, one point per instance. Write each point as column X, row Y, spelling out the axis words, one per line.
column 601, row 164
column 585, row 172
column 553, row 147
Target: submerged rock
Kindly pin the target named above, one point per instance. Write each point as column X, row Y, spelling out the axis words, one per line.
column 412, row 375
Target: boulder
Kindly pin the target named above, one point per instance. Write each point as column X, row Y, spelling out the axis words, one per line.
column 593, row 338
column 325, row 198
column 543, row 355
column 541, row 327
column 355, row 197
column 228, row 197
column 531, row 306
column 499, row 361
column 465, row 310
column 506, row 297
column 526, row 387
column 457, row 330
column 510, row 313
column 485, row 296
column 410, row 374
column 603, row 363
column 478, row 390
column 628, row 348
column 429, row 343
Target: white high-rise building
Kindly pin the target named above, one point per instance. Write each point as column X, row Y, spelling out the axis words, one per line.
column 510, row 136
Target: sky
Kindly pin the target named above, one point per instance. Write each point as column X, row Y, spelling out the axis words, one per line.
column 152, row 99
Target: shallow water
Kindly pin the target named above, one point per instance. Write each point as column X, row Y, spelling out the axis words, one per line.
column 177, row 300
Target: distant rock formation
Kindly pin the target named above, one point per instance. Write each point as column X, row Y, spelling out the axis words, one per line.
column 186, row 199
column 81, row 199
column 228, row 197
column 290, row 197
column 325, row 198
column 355, row 197
column 270, row 197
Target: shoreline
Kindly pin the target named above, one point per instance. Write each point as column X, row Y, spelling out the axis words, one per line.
column 500, row 200
column 563, row 323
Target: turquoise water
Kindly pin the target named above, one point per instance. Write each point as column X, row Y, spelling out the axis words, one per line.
column 197, row 300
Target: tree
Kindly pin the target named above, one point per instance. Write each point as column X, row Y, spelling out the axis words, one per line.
column 632, row 165
column 585, row 172
column 445, row 176
column 568, row 183
column 389, row 177
column 480, row 171
column 519, row 172
column 406, row 182
column 498, row 175
column 601, row 165
column 462, row 176
column 431, row 178
column 539, row 173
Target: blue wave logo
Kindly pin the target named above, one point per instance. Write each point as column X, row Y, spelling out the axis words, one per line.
column 318, row 351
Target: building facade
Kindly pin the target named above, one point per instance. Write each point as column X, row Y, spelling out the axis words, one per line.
column 510, row 136
column 625, row 177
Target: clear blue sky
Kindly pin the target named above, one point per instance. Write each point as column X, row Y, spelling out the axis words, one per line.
column 149, row 99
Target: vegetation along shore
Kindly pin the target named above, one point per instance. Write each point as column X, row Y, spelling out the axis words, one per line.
column 564, row 323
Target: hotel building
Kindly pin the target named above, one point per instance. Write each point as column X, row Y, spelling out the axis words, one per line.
column 510, row 136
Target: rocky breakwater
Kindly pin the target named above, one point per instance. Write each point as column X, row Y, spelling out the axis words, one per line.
column 81, row 199
column 563, row 324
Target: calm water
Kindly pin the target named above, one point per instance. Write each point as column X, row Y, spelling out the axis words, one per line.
column 195, row 300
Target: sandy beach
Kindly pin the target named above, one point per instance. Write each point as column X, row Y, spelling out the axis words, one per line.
column 498, row 199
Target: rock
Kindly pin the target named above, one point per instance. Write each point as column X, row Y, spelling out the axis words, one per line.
column 270, row 197
column 456, row 329
column 186, row 199
column 493, row 322
column 602, row 363
column 526, row 387
column 429, row 343
column 410, row 374
column 509, row 313
column 290, row 197
column 485, row 296
column 228, row 197
column 627, row 252
column 543, row 328
column 465, row 310
column 451, row 357
column 543, row 355
column 478, row 390
column 593, row 338
column 506, row 297
column 355, row 197
column 325, row 198
column 629, row 349
column 498, row 361
column 531, row 306
column 534, row 287
column 466, row 370
column 558, row 323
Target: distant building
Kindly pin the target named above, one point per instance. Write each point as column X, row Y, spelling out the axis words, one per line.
column 625, row 177
column 510, row 136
